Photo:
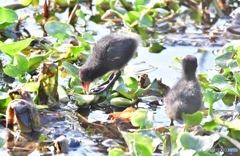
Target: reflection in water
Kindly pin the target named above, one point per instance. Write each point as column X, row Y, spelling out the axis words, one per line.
column 19, row 143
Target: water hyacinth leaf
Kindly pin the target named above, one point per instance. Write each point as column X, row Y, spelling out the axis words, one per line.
column 195, row 15
column 81, row 14
column 36, row 60
column 83, row 100
column 35, row 3
column 146, row 20
column 234, row 124
column 112, row 4
column 31, row 86
column 132, row 83
column 211, row 97
column 88, row 37
column 135, row 141
column 132, row 18
column 228, row 99
column 58, row 29
column 141, row 2
column 25, row 2
column 211, row 125
column 116, row 152
column 153, row 86
column 225, row 60
column 12, row 48
column 174, row 6
column 122, row 102
column 198, row 143
column 219, row 81
column 140, row 8
column 156, row 48
column 19, row 67
column 172, row 141
column 139, row 91
column 192, row 119
column 99, row 4
column 156, row 140
column 76, row 50
column 124, row 90
column 143, row 32
column 138, row 149
column 73, row 70
column 7, row 17
column 83, row 43
column 142, row 118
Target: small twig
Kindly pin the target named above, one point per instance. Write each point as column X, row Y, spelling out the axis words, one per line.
column 170, row 17
column 73, row 14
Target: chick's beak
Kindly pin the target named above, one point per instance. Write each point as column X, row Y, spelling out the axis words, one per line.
column 86, row 86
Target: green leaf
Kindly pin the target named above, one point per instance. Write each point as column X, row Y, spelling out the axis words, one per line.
column 31, row 86
column 81, row 14
column 195, row 15
column 73, row 70
column 19, row 67
column 138, row 144
column 174, row 5
column 58, row 29
column 142, row 118
column 7, row 17
column 15, row 47
column 228, row 99
column 143, row 32
column 131, row 18
column 225, row 60
column 132, row 83
column 192, row 119
column 122, row 102
column 156, row 48
column 146, row 20
column 84, row 100
column 234, row 124
column 211, row 97
column 198, row 143
column 219, row 81
column 141, row 2
column 116, row 152
column 124, row 90
column 36, row 60
column 76, row 50
column 211, row 125
column 88, row 37
column 25, row 2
